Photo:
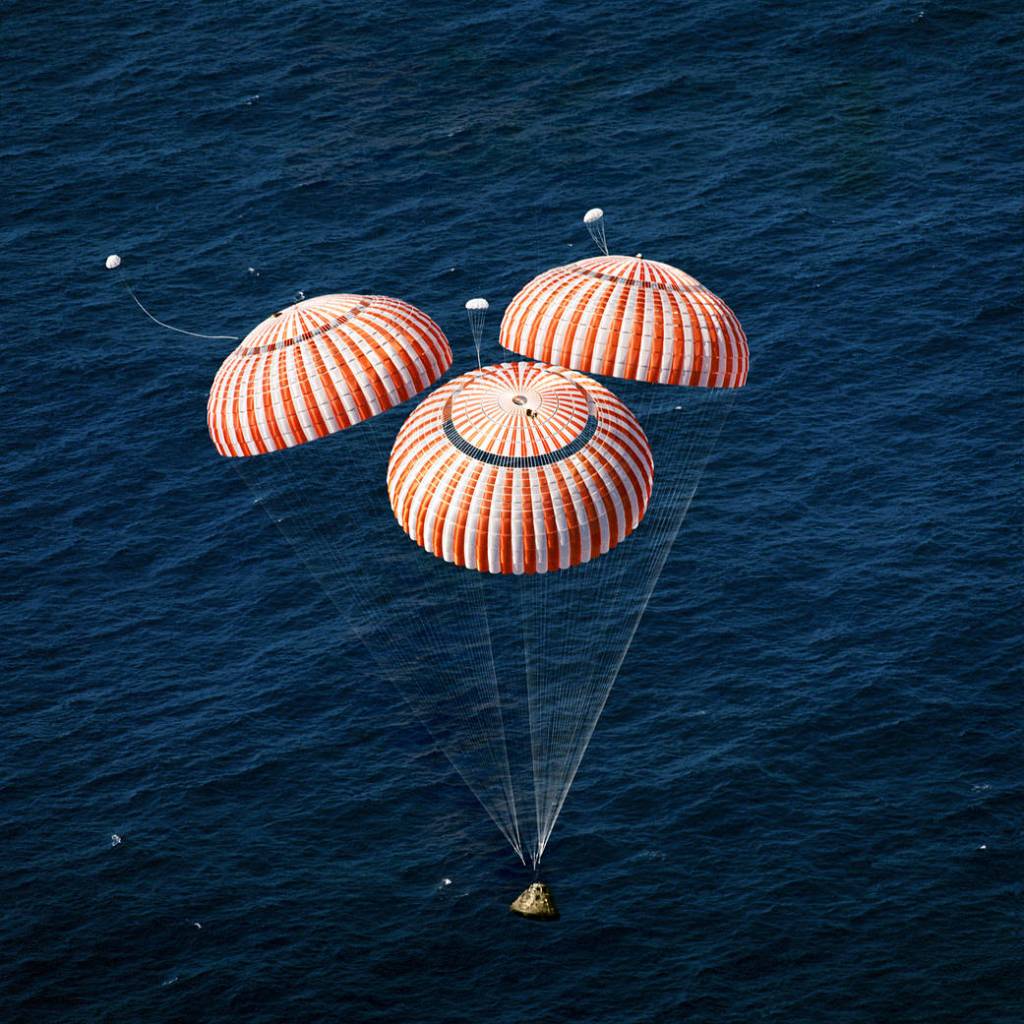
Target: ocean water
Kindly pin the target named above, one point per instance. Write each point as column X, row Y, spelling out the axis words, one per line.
column 803, row 802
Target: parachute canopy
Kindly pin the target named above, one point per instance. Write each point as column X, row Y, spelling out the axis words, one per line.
column 320, row 366
column 631, row 318
column 520, row 468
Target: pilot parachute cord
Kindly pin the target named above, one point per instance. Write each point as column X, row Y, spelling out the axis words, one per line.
column 114, row 263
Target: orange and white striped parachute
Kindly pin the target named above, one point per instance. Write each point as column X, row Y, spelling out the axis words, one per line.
column 321, row 366
column 520, row 468
column 630, row 318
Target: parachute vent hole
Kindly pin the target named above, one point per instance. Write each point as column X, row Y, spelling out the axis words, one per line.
column 520, row 400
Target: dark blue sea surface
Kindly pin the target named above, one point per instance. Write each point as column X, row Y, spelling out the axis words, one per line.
column 803, row 802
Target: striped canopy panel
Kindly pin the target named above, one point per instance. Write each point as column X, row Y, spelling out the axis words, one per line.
column 520, row 468
column 320, row 366
column 630, row 318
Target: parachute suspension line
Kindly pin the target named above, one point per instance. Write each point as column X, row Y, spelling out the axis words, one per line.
column 534, row 622
column 584, row 700
column 476, row 309
column 578, row 667
column 470, row 585
column 663, row 528
column 369, row 632
column 594, row 220
column 472, row 603
column 465, row 599
column 546, row 631
column 694, row 443
column 422, row 681
column 114, row 263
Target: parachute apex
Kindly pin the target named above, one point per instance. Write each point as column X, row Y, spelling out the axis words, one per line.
column 581, row 463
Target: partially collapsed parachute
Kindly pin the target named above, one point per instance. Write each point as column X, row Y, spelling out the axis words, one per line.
column 520, row 468
column 320, row 366
column 630, row 318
